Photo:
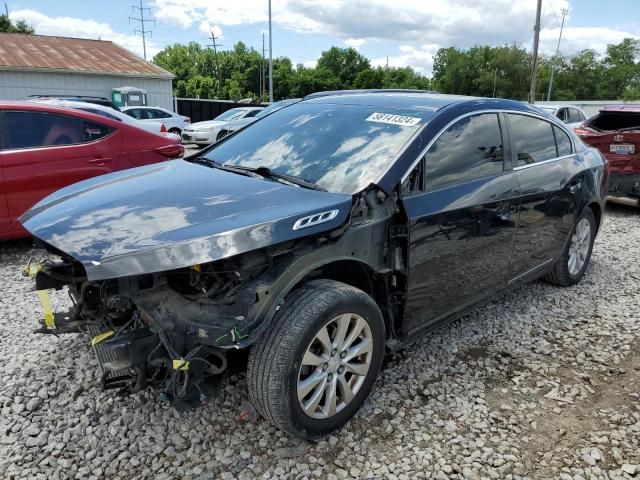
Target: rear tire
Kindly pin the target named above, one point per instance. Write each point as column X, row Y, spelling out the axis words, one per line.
column 574, row 261
column 313, row 369
column 175, row 131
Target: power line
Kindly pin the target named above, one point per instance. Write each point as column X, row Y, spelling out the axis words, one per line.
column 553, row 66
column 143, row 31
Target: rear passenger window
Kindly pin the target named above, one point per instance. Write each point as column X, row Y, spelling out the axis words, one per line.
column 469, row 149
column 38, row 129
column 534, row 139
column 575, row 116
column 562, row 141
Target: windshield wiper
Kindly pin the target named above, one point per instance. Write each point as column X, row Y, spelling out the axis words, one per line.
column 227, row 168
column 290, row 179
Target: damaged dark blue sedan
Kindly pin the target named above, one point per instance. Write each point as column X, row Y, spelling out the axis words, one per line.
column 319, row 238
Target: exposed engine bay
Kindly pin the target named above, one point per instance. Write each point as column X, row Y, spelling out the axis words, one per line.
column 173, row 330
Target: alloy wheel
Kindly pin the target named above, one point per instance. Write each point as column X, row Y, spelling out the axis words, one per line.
column 334, row 366
column 579, row 246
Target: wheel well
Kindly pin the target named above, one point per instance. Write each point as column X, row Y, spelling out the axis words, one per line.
column 360, row 276
column 597, row 212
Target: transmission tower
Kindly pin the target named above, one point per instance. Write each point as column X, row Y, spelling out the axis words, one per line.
column 143, row 31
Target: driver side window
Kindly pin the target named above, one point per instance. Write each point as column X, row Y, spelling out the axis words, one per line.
column 469, row 149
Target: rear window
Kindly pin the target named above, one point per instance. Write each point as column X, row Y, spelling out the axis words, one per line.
column 611, row 121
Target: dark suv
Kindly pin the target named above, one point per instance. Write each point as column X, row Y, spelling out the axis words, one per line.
column 326, row 234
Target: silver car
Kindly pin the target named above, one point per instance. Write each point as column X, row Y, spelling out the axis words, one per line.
column 204, row 133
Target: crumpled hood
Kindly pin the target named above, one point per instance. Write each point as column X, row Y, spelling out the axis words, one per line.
column 173, row 215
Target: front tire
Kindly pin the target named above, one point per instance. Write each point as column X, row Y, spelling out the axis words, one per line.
column 175, row 131
column 570, row 269
column 309, row 374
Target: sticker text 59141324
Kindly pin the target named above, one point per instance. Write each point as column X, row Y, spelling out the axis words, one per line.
column 392, row 119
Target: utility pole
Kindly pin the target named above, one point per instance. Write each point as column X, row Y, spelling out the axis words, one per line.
column 262, row 70
column 553, row 67
column 495, row 79
column 215, row 57
column 534, row 62
column 6, row 9
column 142, row 31
column 270, row 57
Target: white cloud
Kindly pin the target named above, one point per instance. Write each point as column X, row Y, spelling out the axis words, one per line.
column 355, row 42
column 206, row 28
column 81, row 28
column 575, row 39
column 420, row 58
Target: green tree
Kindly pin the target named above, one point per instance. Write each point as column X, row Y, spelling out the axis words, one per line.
column 622, row 69
column 7, row 26
column 344, row 64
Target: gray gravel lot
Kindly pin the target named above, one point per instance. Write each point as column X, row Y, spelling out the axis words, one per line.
column 543, row 383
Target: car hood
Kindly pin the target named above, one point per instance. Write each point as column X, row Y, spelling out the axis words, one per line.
column 208, row 123
column 241, row 122
column 173, row 215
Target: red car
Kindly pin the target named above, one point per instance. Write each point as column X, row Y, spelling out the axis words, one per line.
column 615, row 131
column 44, row 148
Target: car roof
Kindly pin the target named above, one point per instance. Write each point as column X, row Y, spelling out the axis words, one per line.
column 629, row 107
column 56, row 107
column 423, row 100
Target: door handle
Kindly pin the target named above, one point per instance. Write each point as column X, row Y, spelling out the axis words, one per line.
column 98, row 161
column 574, row 187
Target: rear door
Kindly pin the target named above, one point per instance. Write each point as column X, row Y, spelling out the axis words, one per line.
column 44, row 152
column 462, row 220
column 550, row 179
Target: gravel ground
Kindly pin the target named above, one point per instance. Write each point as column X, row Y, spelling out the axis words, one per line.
column 543, row 383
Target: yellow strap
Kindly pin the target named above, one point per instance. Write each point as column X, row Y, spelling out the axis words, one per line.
column 196, row 267
column 180, row 364
column 46, row 308
column 31, row 268
column 98, row 338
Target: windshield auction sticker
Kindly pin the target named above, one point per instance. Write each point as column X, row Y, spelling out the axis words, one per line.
column 401, row 120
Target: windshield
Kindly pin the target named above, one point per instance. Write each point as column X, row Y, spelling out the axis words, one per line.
column 232, row 114
column 341, row 148
column 275, row 106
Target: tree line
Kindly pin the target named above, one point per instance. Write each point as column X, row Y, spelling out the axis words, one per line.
column 505, row 71
column 235, row 74
column 501, row 71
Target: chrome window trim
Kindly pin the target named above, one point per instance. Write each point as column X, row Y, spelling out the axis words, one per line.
column 529, row 165
column 557, row 123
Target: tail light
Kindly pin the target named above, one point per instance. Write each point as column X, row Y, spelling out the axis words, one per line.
column 582, row 132
column 174, row 150
column 163, row 129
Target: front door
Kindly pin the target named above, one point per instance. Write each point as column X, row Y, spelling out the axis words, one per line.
column 462, row 221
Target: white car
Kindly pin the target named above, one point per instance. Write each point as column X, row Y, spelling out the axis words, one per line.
column 204, row 133
column 572, row 116
column 174, row 122
column 156, row 127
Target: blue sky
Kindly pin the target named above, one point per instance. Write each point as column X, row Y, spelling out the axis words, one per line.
column 407, row 32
